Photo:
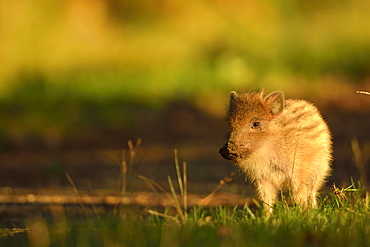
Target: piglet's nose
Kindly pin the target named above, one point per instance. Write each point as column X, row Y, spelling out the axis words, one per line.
column 228, row 152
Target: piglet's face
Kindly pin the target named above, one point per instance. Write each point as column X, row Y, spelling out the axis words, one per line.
column 249, row 118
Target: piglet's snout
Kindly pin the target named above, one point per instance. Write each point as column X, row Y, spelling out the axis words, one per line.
column 228, row 151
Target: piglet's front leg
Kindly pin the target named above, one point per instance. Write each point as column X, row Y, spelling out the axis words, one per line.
column 267, row 193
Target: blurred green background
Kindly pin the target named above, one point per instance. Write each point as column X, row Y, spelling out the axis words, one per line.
column 91, row 74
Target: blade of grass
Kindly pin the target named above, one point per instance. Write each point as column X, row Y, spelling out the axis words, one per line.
column 155, row 184
column 131, row 159
column 148, row 183
column 4, row 232
column 123, row 174
column 176, row 204
column 205, row 201
column 249, row 211
column 359, row 160
column 185, row 196
column 126, row 165
column 178, row 172
column 172, row 197
column 77, row 194
column 166, row 216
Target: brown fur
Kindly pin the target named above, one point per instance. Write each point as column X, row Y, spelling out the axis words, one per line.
column 279, row 144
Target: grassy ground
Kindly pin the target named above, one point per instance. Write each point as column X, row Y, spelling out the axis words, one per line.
column 341, row 220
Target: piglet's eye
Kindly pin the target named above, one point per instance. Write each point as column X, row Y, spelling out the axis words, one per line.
column 256, row 124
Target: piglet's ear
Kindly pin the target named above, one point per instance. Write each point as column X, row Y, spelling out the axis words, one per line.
column 232, row 103
column 233, row 96
column 275, row 102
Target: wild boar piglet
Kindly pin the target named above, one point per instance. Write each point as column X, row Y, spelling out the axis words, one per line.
column 279, row 144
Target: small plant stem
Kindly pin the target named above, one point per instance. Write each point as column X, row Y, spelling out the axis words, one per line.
column 205, row 201
column 178, row 173
column 163, row 215
column 185, row 196
column 75, row 191
column 176, row 201
column 130, row 160
column 152, row 184
column 359, row 160
column 363, row 92
column 123, row 173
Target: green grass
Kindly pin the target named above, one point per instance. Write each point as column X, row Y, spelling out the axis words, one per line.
column 342, row 219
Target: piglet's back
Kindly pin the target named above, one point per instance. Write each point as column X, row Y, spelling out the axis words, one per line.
column 304, row 130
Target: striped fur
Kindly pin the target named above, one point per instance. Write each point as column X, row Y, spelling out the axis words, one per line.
column 279, row 144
